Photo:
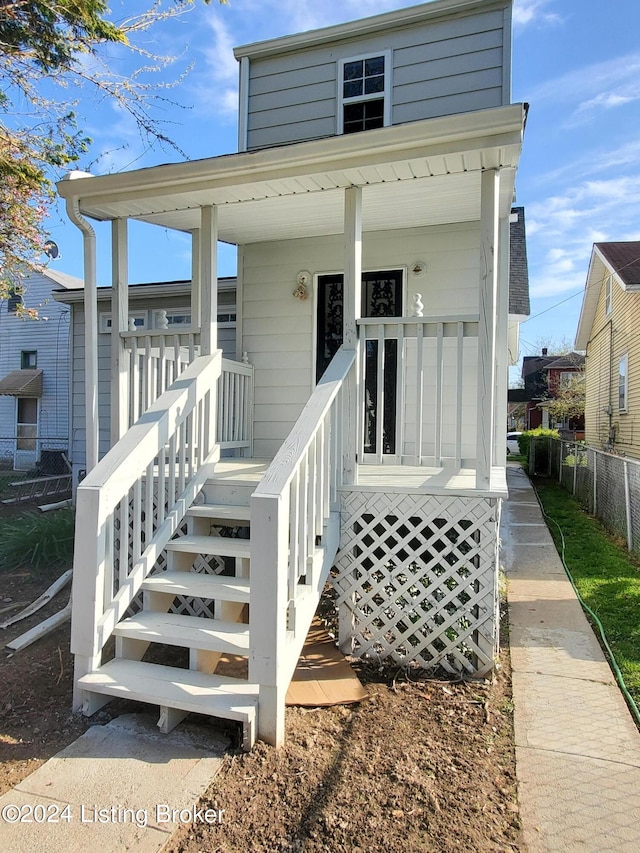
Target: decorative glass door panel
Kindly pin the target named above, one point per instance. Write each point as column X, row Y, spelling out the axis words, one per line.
column 381, row 297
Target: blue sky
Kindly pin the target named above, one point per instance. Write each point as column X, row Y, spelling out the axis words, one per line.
column 576, row 62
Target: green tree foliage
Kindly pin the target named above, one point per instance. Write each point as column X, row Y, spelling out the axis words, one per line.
column 49, row 50
column 568, row 400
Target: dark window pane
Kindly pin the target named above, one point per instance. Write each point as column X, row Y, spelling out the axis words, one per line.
column 352, row 89
column 373, row 114
column 353, row 70
column 374, row 66
column 373, row 84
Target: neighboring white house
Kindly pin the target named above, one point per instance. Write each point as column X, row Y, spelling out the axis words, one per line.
column 150, row 307
column 371, row 203
column 34, row 373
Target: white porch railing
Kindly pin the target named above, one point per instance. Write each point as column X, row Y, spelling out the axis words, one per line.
column 157, row 358
column 133, row 501
column 418, row 381
column 295, row 532
column 235, row 409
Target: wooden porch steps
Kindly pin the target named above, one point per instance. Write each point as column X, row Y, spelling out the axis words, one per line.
column 222, row 546
column 199, row 585
column 183, row 689
column 191, row 632
column 179, row 691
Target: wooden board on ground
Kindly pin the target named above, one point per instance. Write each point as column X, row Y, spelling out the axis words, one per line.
column 323, row 675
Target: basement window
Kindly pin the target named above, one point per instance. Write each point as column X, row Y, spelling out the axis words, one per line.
column 364, row 93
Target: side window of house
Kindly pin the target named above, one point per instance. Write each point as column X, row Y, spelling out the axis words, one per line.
column 608, row 294
column 28, row 359
column 14, row 300
column 623, row 383
column 364, row 97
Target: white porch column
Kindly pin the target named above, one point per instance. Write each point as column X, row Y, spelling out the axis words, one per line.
column 488, row 291
column 208, row 279
column 352, row 304
column 352, row 263
column 195, row 279
column 119, row 323
column 502, row 348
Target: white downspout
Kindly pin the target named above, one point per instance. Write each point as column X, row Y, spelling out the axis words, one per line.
column 90, row 332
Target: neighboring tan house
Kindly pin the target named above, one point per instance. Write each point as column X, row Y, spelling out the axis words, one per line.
column 608, row 331
column 34, row 374
column 370, row 203
column 151, row 306
column 545, row 377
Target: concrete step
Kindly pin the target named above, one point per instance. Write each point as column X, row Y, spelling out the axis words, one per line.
column 185, row 689
column 199, row 585
column 190, row 632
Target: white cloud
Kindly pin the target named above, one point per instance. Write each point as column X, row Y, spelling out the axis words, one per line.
column 526, row 12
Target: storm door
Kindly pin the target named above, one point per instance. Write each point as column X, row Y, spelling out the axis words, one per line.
column 26, row 452
column 381, row 297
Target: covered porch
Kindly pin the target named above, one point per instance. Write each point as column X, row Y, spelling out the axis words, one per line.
column 387, row 469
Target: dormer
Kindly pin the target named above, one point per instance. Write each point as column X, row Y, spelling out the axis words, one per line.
column 435, row 59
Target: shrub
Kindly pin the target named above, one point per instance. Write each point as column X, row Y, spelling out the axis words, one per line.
column 38, row 541
column 524, row 440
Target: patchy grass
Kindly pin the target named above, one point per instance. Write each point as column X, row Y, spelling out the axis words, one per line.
column 604, row 572
column 37, row 541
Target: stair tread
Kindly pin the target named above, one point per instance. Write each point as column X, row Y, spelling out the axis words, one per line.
column 194, row 632
column 239, row 471
column 190, row 690
column 199, row 585
column 222, row 512
column 223, row 546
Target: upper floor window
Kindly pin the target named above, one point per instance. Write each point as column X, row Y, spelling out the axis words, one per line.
column 28, row 359
column 608, row 294
column 14, row 301
column 623, row 383
column 364, row 102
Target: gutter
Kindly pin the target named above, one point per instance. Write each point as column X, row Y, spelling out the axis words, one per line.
column 90, row 332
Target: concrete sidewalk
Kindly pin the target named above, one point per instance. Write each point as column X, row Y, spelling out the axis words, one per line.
column 122, row 786
column 577, row 747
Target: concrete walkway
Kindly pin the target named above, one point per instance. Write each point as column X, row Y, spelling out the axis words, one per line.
column 577, row 747
column 122, row 786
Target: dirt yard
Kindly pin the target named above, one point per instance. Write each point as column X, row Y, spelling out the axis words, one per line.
column 420, row 765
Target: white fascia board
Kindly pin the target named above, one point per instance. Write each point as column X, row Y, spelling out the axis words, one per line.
column 501, row 126
column 366, row 26
column 141, row 292
column 589, row 302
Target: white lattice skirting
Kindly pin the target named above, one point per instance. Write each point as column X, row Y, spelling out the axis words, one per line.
column 417, row 580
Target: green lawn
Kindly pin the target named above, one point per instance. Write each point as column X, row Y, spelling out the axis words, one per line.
column 606, row 576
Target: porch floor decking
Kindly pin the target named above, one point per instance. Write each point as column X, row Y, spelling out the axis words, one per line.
column 411, row 479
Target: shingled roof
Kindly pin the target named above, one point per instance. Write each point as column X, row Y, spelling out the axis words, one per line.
column 624, row 260
column 518, row 268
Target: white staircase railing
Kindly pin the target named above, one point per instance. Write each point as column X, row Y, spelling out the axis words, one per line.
column 418, row 375
column 295, row 532
column 156, row 359
column 132, row 502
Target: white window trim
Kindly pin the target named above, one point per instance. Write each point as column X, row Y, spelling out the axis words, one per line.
column 373, row 97
column 608, row 294
column 171, row 312
column 623, row 358
column 104, row 321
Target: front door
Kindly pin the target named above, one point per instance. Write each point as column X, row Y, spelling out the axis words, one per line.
column 381, row 297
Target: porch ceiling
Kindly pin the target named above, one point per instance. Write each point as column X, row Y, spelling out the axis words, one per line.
column 419, row 174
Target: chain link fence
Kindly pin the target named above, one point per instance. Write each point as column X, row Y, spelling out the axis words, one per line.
column 607, row 486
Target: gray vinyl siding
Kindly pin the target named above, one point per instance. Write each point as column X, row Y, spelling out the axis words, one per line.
column 49, row 337
column 439, row 68
column 226, row 341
